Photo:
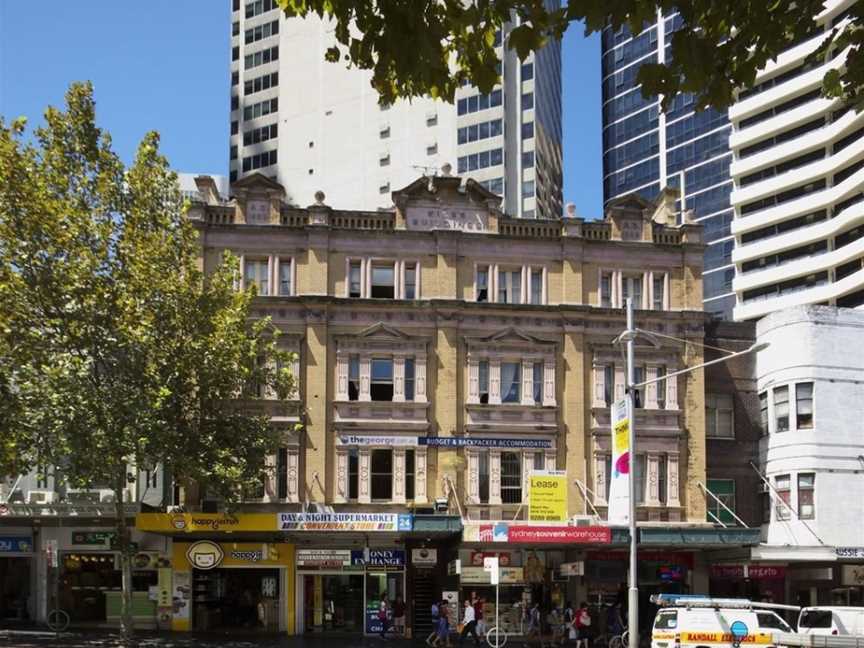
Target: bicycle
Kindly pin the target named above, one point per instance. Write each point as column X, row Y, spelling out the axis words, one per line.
column 57, row 620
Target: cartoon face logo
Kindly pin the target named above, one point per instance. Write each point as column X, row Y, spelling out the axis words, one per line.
column 205, row 555
column 178, row 522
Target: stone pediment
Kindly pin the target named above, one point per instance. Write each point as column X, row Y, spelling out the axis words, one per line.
column 443, row 203
column 383, row 331
column 508, row 337
column 381, row 337
column 258, row 181
column 630, row 217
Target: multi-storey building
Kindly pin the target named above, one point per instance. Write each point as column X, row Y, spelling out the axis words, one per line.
column 811, row 453
column 797, row 171
column 445, row 353
column 645, row 149
column 312, row 125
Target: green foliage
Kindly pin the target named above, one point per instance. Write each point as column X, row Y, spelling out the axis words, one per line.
column 114, row 347
column 429, row 47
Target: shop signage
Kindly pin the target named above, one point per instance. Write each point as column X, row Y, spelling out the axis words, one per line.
column 479, row 557
column 852, row 575
column 481, row 576
column 812, row 573
column 182, row 599
column 573, row 568
column 324, row 557
column 849, row 552
column 204, row 555
column 344, row 522
column 380, row 441
column 378, row 558
column 15, row 544
column 619, row 480
column 102, row 538
column 547, row 496
column 753, row 572
column 204, row 522
column 424, row 556
column 547, row 534
column 424, row 218
column 454, row 567
column 461, row 442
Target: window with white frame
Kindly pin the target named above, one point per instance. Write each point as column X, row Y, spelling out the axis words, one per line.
column 381, row 385
column 410, row 286
column 719, row 416
column 383, row 281
column 381, row 475
column 483, row 477
column 535, row 286
column 286, row 272
column 763, row 412
column 606, row 279
column 658, row 287
column 783, row 488
column 723, row 490
column 511, row 477
column 256, row 272
column 481, row 283
column 511, row 382
column 510, row 286
column 608, row 384
column 410, row 377
column 354, row 377
column 483, row 380
column 638, row 392
column 410, row 477
column 631, row 287
column 804, row 405
column 661, row 387
column 353, row 474
column 781, row 409
column 537, row 382
column 806, row 503
column 355, row 279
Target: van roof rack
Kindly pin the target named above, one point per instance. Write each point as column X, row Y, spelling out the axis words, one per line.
column 698, row 600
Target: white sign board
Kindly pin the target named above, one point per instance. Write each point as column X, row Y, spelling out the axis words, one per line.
column 490, row 564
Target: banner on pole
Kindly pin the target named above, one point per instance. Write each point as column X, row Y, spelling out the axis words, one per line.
column 619, row 477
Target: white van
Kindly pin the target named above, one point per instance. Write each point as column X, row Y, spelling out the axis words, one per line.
column 701, row 622
column 831, row 620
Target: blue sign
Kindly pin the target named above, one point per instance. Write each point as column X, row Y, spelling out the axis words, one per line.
column 374, row 625
column 739, row 629
column 405, row 522
column 461, row 442
column 379, row 558
column 16, row 544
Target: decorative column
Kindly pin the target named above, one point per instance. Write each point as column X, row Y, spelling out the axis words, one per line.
column 549, row 382
column 651, row 389
column 398, row 475
column 527, row 467
column 495, row 477
column 620, row 382
column 365, row 377
column 671, row 391
column 600, row 478
column 294, row 474
column 420, row 476
column 341, row 495
column 494, row 381
column 342, row 361
column 598, row 398
column 549, row 459
column 672, row 497
column 473, row 380
column 399, row 379
column 420, row 378
column 366, row 291
column 653, row 491
column 527, row 382
column 473, row 476
column 364, row 494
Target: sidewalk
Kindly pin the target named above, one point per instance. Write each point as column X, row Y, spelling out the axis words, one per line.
column 101, row 639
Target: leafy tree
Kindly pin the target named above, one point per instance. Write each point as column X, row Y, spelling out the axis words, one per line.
column 429, row 47
column 116, row 352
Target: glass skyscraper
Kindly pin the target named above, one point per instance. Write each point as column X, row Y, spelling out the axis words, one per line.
column 645, row 149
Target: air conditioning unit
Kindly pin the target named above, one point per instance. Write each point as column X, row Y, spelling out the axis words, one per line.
column 41, row 497
column 83, row 496
column 583, row 520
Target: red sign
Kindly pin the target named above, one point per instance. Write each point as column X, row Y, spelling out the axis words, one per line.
column 478, row 556
column 754, row 572
column 671, row 557
column 560, row 534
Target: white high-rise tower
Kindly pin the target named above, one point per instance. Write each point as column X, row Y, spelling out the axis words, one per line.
column 313, row 125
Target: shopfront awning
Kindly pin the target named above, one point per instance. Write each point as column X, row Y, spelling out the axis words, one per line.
column 698, row 537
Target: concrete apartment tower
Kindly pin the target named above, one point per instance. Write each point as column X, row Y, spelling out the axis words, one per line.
column 798, row 170
column 312, row 125
column 645, row 149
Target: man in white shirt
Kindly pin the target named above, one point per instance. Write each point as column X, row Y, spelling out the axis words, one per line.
column 469, row 624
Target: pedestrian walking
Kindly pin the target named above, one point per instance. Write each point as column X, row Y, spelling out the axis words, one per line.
column 384, row 616
column 570, row 631
column 469, row 624
column 432, row 639
column 583, row 618
column 443, row 626
column 478, row 616
column 534, row 623
column 399, row 616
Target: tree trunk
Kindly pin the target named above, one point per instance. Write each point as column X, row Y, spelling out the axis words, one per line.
column 124, row 544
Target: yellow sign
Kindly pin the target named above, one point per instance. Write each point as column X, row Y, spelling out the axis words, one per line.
column 205, row 554
column 547, row 496
column 204, row 522
column 724, row 638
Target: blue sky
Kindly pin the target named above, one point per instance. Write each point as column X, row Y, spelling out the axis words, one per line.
column 163, row 65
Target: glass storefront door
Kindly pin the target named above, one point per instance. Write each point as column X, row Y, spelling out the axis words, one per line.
column 379, row 585
column 333, row 602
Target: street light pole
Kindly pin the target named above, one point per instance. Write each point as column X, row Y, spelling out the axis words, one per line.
column 633, row 592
